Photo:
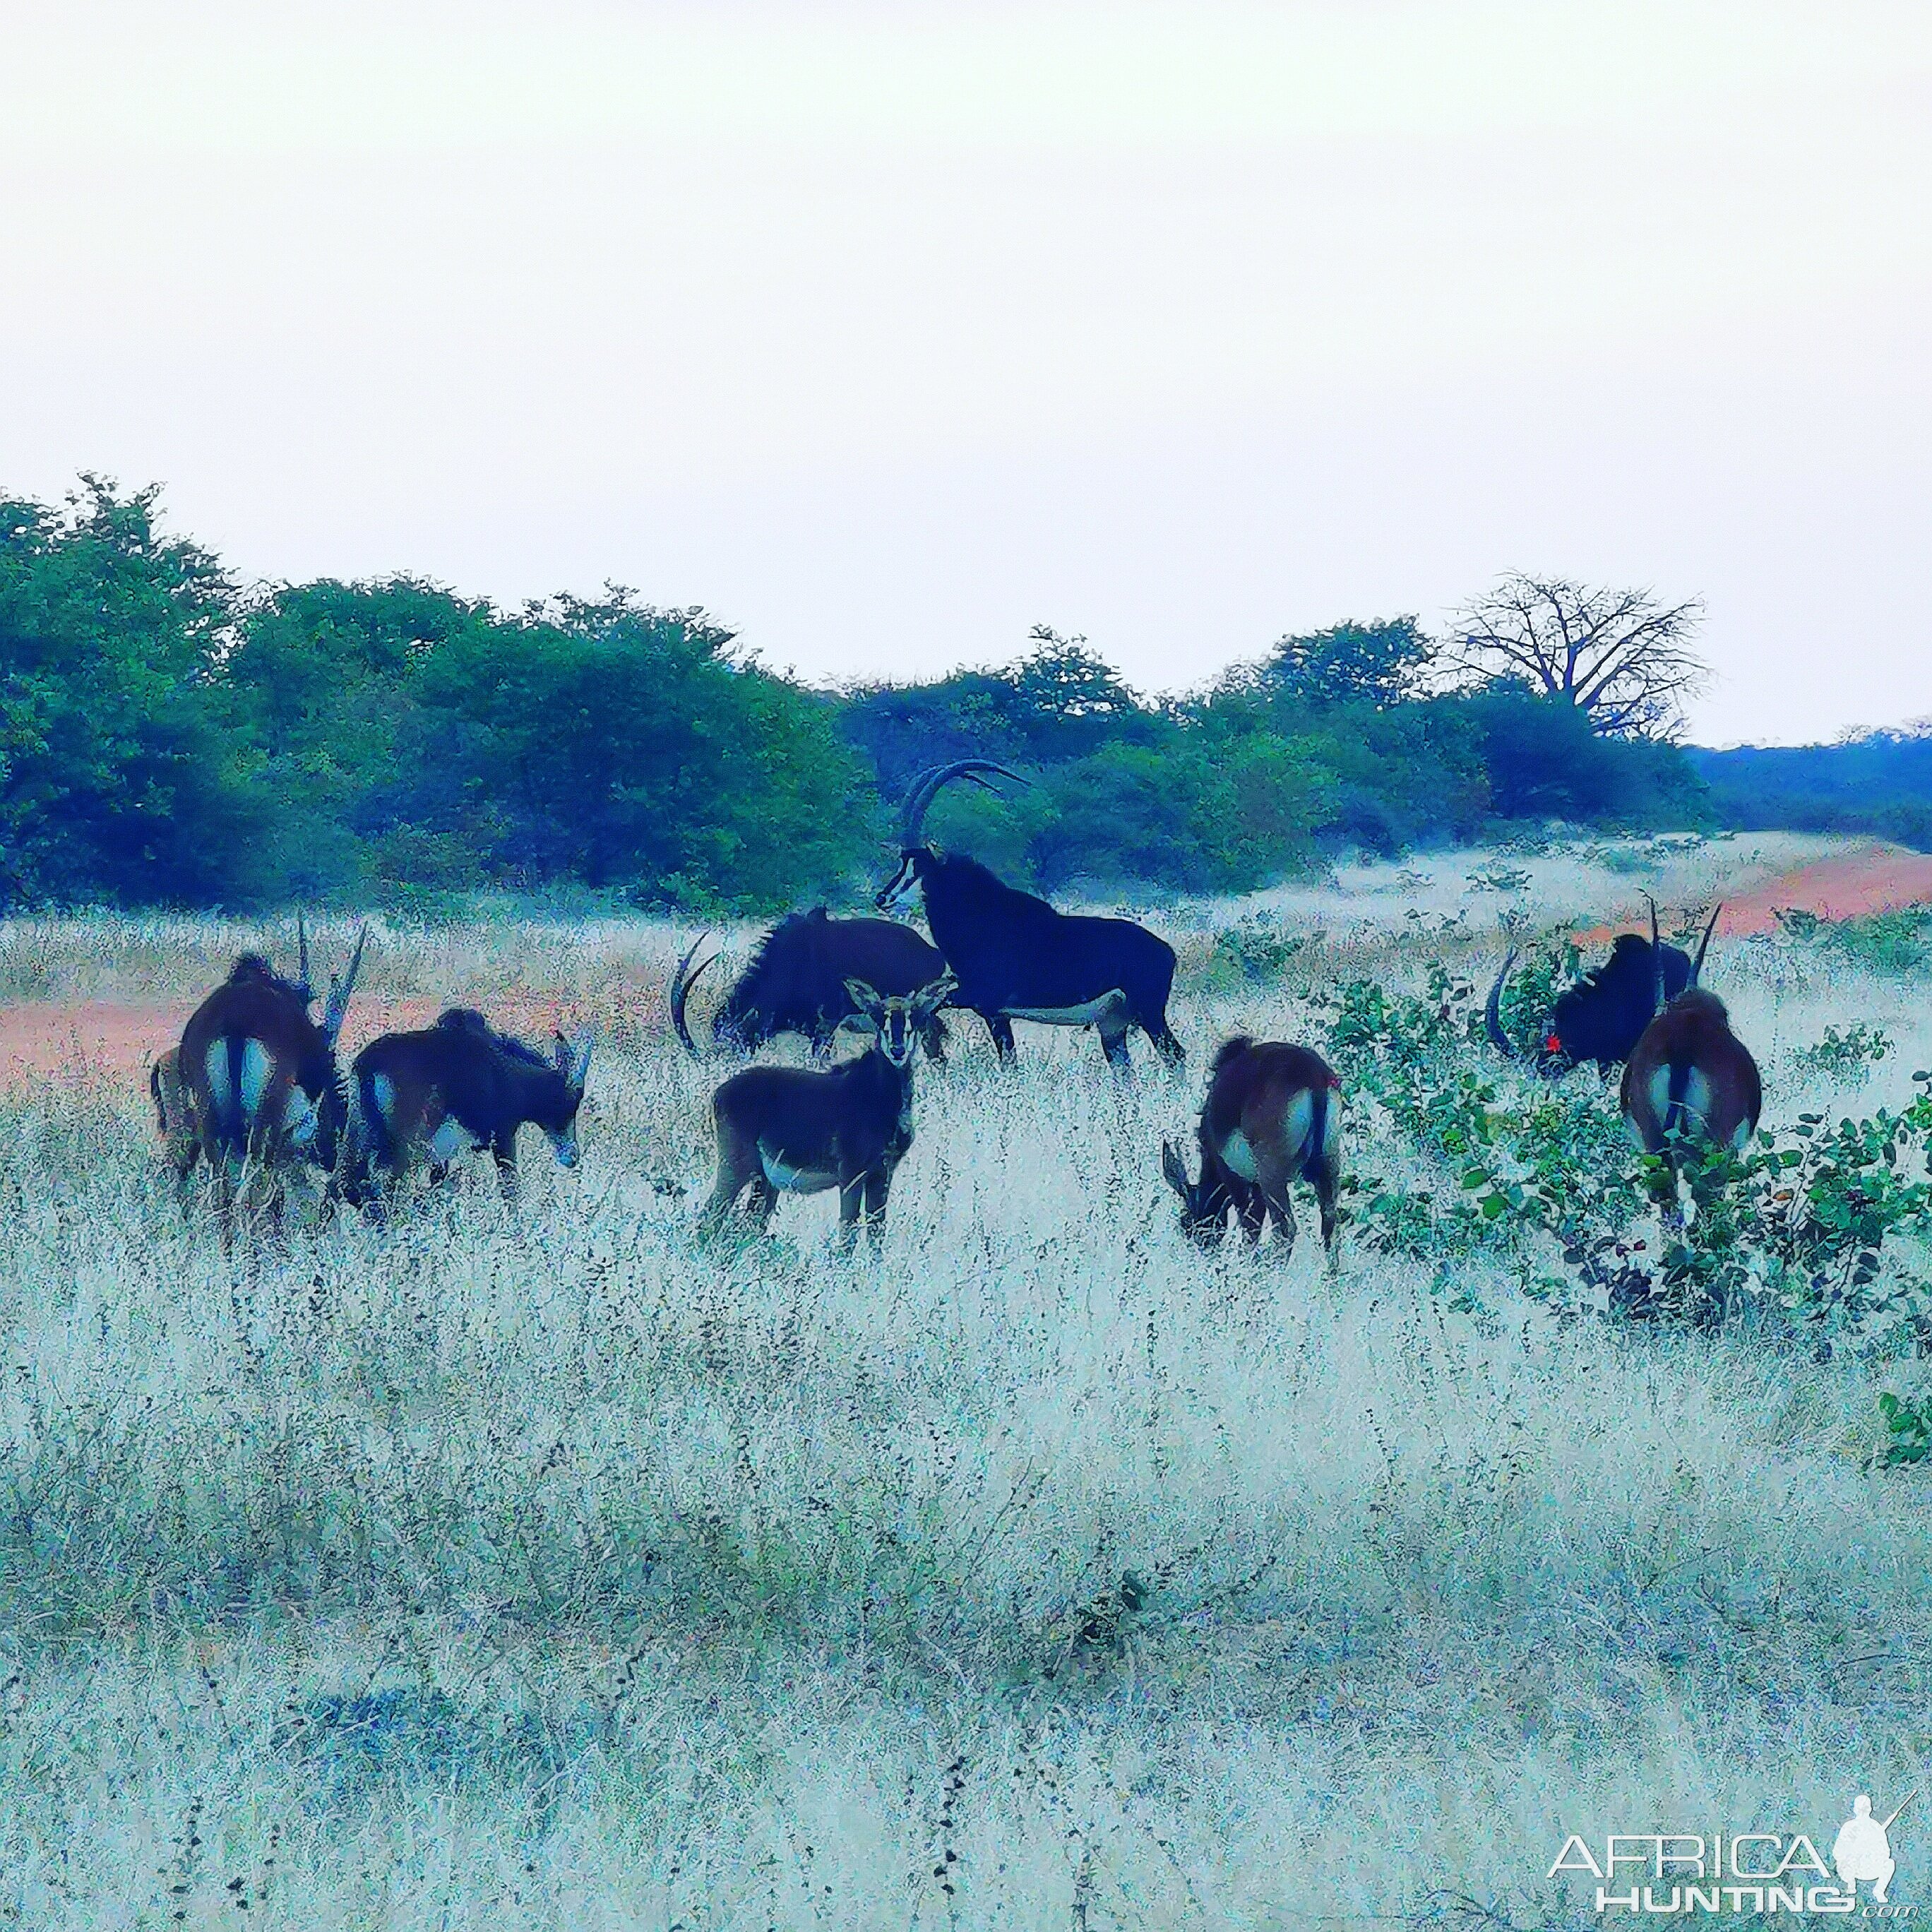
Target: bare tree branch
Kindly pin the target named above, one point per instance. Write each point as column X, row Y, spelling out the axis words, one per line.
column 1622, row 656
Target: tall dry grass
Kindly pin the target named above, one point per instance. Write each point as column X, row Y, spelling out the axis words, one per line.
column 552, row 1568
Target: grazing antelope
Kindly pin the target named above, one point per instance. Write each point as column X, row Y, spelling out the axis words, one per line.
column 797, row 980
column 1691, row 1087
column 1273, row 1115
column 796, row 1130
column 433, row 1096
column 1016, row 958
column 1602, row 1017
column 259, row 1075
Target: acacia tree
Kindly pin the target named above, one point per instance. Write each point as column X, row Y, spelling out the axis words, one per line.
column 1621, row 657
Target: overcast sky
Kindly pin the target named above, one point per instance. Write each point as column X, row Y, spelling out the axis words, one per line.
column 886, row 332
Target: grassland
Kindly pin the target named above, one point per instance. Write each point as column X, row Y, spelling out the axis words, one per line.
column 551, row 1569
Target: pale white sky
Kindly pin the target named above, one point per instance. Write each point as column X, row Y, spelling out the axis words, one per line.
column 887, row 331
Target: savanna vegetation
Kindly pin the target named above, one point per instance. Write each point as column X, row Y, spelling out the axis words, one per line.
column 555, row 1567
column 551, row 1565
column 170, row 737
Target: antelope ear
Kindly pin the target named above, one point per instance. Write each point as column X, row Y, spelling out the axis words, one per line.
column 929, row 999
column 560, row 1054
column 867, row 1001
column 579, row 1067
column 1171, row 1166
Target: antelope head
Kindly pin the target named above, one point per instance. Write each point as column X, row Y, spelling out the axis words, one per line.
column 573, row 1067
column 912, row 824
column 1203, row 1212
column 900, row 1020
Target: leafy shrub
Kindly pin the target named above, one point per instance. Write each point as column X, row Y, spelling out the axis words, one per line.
column 1896, row 942
column 1908, row 1431
column 1796, row 1226
column 1495, row 878
column 1254, row 951
column 1845, row 1053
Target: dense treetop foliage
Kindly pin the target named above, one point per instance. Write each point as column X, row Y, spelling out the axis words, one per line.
column 169, row 736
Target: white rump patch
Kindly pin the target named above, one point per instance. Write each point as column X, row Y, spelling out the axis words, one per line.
column 1660, row 1095
column 219, row 1091
column 1297, row 1122
column 383, row 1091
column 1239, row 1157
column 1742, row 1137
column 1697, row 1101
column 1103, row 1008
column 258, row 1069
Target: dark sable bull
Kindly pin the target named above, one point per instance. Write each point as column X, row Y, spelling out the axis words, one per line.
column 797, row 982
column 1016, row 959
column 1603, row 1016
column 254, row 1086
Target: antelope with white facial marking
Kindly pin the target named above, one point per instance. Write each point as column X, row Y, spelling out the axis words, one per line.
column 428, row 1098
column 1691, row 1087
column 256, row 1079
column 792, row 1130
column 1273, row 1115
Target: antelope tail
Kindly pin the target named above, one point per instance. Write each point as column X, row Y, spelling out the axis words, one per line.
column 1318, row 1127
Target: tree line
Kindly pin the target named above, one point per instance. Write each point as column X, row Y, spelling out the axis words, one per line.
column 1878, row 783
column 170, row 737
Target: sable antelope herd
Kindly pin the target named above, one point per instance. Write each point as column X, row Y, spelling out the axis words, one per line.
column 254, row 1088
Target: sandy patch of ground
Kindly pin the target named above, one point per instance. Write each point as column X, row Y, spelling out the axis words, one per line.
column 1869, row 879
column 115, row 1042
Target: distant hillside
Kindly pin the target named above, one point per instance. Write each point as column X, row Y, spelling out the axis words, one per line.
column 1881, row 783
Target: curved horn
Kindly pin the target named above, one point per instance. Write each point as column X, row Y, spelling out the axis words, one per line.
column 1656, row 961
column 1493, row 1017
column 301, row 942
column 339, row 991
column 682, row 982
column 1697, row 965
column 926, row 786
